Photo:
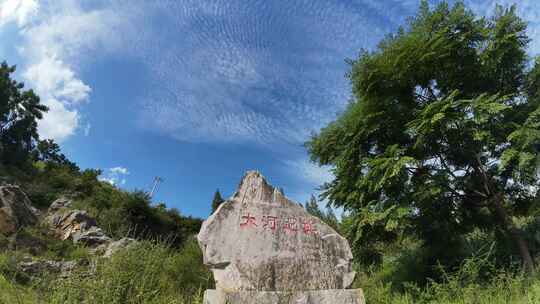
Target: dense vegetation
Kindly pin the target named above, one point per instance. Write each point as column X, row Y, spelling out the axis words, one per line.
column 441, row 141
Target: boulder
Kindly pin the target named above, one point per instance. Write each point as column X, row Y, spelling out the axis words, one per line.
column 259, row 240
column 75, row 225
column 16, row 210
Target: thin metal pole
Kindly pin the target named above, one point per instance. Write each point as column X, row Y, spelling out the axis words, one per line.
column 157, row 180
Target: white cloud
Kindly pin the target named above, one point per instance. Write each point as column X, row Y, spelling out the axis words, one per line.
column 228, row 70
column 249, row 71
column 310, row 172
column 60, row 38
column 119, row 170
column 60, row 90
column 115, row 176
column 19, row 11
column 59, row 123
column 53, row 77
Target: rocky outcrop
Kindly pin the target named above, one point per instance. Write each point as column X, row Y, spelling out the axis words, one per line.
column 36, row 268
column 16, row 210
column 75, row 225
column 79, row 227
column 259, row 240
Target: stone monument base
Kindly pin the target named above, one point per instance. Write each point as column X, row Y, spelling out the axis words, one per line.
column 335, row 296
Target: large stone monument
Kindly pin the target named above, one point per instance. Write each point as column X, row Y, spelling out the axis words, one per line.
column 265, row 249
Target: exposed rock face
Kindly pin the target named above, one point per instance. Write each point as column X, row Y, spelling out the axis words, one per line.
column 81, row 228
column 16, row 210
column 75, row 225
column 259, row 240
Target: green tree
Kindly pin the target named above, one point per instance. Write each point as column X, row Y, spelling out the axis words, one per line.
column 49, row 151
column 312, row 207
column 218, row 200
column 19, row 112
column 329, row 217
column 443, row 134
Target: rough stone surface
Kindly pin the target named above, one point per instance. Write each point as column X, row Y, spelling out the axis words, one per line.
column 261, row 241
column 16, row 210
column 109, row 249
column 58, row 204
column 39, row 268
column 76, row 225
column 93, row 236
column 340, row 296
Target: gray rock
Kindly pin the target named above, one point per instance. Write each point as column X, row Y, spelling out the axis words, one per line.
column 76, row 225
column 259, row 240
column 340, row 296
column 58, row 204
column 16, row 210
column 93, row 236
column 113, row 247
column 40, row 267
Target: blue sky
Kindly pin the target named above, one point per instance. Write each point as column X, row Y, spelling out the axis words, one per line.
column 198, row 91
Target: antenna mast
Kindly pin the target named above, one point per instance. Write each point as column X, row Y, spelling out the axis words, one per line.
column 157, row 180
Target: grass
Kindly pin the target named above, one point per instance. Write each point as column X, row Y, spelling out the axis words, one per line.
column 149, row 272
column 501, row 290
column 477, row 281
column 154, row 273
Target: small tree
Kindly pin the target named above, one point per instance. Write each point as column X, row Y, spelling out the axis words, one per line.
column 312, row 207
column 444, row 133
column 329, row 217
column 218, row 200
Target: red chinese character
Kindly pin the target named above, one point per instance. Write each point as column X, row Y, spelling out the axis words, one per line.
column 269, row 221
column 309, row 227
column 290, row 225
column 249, row 220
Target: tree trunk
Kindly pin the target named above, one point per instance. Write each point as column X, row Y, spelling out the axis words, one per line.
column 514, row 232
column 496, row 205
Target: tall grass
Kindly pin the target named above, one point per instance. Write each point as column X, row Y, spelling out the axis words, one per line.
column 149, row 272
column 14, row 294
column 154, row 273
column 466, row 285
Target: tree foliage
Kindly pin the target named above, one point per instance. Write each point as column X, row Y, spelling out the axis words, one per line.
column 443, row 134
column 19, row 112
column 328, row 216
